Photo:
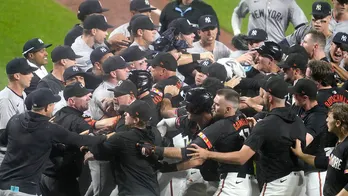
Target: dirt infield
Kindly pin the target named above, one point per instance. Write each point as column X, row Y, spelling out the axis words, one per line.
column 119, row 13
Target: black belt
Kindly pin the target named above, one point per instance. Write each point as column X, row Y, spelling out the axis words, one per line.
column 224, row 175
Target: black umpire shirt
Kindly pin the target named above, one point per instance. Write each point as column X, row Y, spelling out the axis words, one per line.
column 337, row 169
column 29, row 137
column 137, row 175
column 272, row 137
column 315, row 122
column 66, row 161
column 76, row 31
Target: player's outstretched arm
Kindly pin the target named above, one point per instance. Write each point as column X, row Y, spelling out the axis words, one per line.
column 343, row 192
column 239, row 12
column 310, row 159
column 237, row 157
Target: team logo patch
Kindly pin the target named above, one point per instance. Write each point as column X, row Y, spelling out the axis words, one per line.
column 318, row 7
column 253, row 32
column 39, row 40
column 207, row 20
column 75, row 68
column 206, row 140
column 103, row 49
column 344, row 38
column 158, row 92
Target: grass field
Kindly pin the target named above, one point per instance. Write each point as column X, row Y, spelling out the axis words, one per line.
column 224, row 10
column 21, row 20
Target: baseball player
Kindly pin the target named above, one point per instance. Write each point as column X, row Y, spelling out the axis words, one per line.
column 273, row 136
column 336, row 182
column 273, row 16
column 321, row 17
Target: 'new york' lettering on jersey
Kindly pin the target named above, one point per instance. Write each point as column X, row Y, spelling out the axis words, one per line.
column 272, row 14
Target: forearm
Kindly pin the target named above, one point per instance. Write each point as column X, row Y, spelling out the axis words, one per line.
column 309, row 159
column 107, row 123
column 185, row 59
column 229, row 157
column 342, row 73
column 189, row 164
column 167, row 111
column 343, row 192
column 171, row 152
column 236, row 23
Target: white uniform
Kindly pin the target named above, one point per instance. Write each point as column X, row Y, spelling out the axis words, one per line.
column 81, row 48
column 220, row 50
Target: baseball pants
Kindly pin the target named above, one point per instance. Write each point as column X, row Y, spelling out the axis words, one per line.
column 290, row 185
column 103, row 182
column 232, row 185
column 315, row 183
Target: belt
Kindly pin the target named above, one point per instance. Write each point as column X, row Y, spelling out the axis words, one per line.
column 224, row 175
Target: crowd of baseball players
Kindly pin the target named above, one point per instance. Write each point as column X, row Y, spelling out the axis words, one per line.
column 166, row 109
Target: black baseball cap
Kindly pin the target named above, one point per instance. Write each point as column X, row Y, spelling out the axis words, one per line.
column 321, row 9
column 182, row 25
column 340, row 38
column 140, row 6
column 165, row 60
column 42, row 97
column 139, row 109
column 125, row 87
column 276, row 86
column 304, row 87
column 96, row 21
column 295, row 60
column 257, row 35
column 19, row 65
column 270, row 49
column 63, row 52
column 215, row 70
column 73, row 71
column 34, row 45
column 98, row 53
column 133, row 53
column 75, row 89
column 90, row 7
column 113, row 63
column 143, row 22
column 206, row 21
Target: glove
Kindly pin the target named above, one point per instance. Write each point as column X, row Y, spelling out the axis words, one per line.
column 239, row 42
column 145, row 148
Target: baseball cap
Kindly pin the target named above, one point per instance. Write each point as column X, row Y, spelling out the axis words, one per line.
column 276, row 86
column 124, row 87
column 206, row 21
column 165, row 60
column 63, row 52
column 321, row 9
column 140, row 6
column 257, row 35
column 270, row 49
column 73, row 71
column 142, row 23
column 19, row 65
column 42, row 97
column 295, row 60
column 139, row 109
column 133, row 53
column 34, row 45
column 340, row 38
column 304, row 87
column 98, row 53
column 182, row 25
column 75, row 89
column 96, row 21
column 113, row 63
column 90, row 7
column 215, row 70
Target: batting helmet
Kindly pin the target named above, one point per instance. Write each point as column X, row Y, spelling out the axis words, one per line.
column 271, row 49
column 198, row 100
column 142, row 80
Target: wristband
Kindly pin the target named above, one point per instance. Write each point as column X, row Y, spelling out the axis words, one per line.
column 159, row 151
column 196, row 57
column 168, row 96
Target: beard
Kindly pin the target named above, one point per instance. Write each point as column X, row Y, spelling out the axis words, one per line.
column 267, row 105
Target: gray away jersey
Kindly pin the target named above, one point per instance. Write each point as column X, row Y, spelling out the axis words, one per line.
column 10, row 105
column 273, row 16
column 220, row 50
column 100, row 93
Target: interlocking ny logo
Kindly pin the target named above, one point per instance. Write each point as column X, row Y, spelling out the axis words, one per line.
column 205, row 63
column 103, row 49
column 147, row 2
column 119, row 83
column 207, row 20
column 75, row 68
column 344, row 38
column 318, row 7
column 253, row 32
column 41, row 42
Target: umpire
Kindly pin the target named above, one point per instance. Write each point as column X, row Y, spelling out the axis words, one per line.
column 137, row 175
column 29, row 137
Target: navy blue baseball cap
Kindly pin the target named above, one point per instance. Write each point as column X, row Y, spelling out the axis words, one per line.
column 321, row 9
column 182, row 25
column 98, row 53
column 75, row 90
column 257, row 35
column 34, row 45
column 90, row 7
column 140, row 6
column 133, row 53
column 96, row 21
column 19, row 65
column 63, row 52
column 42, row 97
column 113, row 63
column 207, row 21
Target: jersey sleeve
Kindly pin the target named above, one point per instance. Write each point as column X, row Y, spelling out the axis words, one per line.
column 7, row 111
column 257, row 137
column 296, row 15
column 111, row 146
column 242, row 9
column 297, row 36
